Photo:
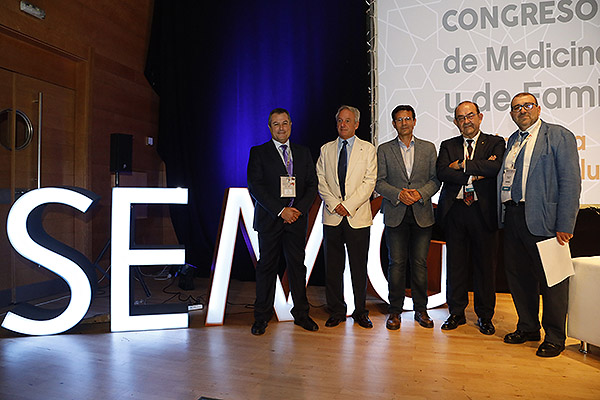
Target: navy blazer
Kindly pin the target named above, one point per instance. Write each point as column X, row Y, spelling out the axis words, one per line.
column 453, row 180
column 553, row 183
column 265, row 169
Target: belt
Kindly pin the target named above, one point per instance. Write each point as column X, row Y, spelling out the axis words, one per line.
column 514, row 204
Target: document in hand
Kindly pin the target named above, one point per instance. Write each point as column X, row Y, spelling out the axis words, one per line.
column 556, row 260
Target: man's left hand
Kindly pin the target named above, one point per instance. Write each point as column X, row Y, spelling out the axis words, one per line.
column 563, row 237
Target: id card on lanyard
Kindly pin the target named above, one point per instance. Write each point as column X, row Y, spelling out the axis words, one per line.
column 508, row 175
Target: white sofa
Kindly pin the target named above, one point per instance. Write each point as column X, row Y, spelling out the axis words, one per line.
column 584, row 302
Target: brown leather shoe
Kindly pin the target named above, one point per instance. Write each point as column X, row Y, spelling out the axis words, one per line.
column 393, row 322
column 423, row 319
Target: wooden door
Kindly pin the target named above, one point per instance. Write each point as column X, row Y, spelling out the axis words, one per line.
column 44, row 156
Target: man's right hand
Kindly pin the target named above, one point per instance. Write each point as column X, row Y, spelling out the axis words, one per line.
column 290, row 215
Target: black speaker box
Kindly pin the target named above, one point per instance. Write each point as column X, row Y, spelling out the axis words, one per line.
column 120, row 152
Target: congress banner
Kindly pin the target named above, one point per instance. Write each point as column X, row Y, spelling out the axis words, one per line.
column 434, row 54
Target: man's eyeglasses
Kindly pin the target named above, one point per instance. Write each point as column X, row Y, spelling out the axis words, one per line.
column 461, row 118
column 400, row 119
column 526, row 106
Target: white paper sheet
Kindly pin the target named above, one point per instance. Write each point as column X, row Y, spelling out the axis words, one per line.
column 556, row 260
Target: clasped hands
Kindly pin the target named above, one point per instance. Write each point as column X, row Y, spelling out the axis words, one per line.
column 290, row 215
column 409, row 196
column 455, row 165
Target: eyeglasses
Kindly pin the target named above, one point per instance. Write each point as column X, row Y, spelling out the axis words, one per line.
column 400, row 119
column 526, row 106
column 461, row 118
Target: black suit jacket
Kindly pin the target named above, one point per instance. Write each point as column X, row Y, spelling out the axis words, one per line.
column 265, row 169
column 451, row 150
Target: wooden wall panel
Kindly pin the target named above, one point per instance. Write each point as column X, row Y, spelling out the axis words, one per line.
column 106, row 42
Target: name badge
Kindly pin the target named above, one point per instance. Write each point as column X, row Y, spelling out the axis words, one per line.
column 288, row 186
column 507, row 179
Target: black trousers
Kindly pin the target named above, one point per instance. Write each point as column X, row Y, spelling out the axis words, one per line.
column 291, row 241
column 526, row 280
column 357, row 244
column 469, row 239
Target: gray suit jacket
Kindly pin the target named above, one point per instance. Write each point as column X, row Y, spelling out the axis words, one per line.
column 553, row 183
column 392, row 178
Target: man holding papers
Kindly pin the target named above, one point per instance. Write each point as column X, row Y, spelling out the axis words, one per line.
column 538, row 186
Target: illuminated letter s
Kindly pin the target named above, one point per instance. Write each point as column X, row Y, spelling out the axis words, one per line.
column 27, row 236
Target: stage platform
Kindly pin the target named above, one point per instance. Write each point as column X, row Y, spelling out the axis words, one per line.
column 346, row 362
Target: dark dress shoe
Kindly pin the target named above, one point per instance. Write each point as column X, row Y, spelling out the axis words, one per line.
column 453, row 321
column 548, row 349
column 307, row 323
column 334, row 321
column 518, row 337
column 423, row 319
column 258, row 327
column 393, row 322
column 485, row 326
column 364, row 321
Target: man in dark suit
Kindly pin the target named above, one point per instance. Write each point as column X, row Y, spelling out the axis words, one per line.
column 283, row 182
column 539, row 187
column 406, row 179
column 467, row 166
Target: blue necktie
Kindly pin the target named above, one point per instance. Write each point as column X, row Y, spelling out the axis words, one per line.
column 516, row 191
column 343, row 167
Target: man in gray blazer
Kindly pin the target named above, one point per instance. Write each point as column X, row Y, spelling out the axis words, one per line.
column 406, row 179
column 538, row 187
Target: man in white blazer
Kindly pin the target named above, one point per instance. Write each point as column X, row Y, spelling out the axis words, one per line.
column 347, row 171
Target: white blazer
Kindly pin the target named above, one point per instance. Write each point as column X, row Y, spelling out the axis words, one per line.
column 360, row 183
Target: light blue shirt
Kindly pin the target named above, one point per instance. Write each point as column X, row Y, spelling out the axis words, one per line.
column 348, row 147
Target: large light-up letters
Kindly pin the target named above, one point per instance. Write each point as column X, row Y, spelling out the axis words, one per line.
column 238, row 201
column 23, row 219
column 122, row 257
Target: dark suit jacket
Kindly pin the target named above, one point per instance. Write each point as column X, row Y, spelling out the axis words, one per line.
column 265, row 169
column 451, row 150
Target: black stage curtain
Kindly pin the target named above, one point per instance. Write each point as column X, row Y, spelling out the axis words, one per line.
column 220, row 67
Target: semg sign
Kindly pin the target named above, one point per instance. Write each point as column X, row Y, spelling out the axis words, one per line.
column 26, row 234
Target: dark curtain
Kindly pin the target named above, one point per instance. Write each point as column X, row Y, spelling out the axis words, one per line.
column 220, row 67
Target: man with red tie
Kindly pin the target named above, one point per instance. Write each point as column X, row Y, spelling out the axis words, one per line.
column 467, row 165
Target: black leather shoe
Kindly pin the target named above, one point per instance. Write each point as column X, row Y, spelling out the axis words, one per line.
column 307, row 323
column 548, row 349
column 334, row 321
column 423, row 319
column 364, row 321
column 258, row 327
column 518, row 337
column 453, row 321
column 485, row 326
column 393, row 322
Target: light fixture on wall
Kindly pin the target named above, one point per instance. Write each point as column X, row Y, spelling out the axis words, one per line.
column 33, row 10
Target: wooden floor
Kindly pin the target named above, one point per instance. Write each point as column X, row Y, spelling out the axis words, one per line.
column 346, row 362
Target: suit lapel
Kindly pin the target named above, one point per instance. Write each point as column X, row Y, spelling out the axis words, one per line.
column 480, row 146
column 273, row 154
column 539, row 147
column 398, row 154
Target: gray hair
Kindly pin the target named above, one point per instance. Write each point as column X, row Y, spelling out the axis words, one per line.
column 349, row 108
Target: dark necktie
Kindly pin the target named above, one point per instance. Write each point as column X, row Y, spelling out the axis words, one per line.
column 343, row 167
column 469, row 197
column 516, row 191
